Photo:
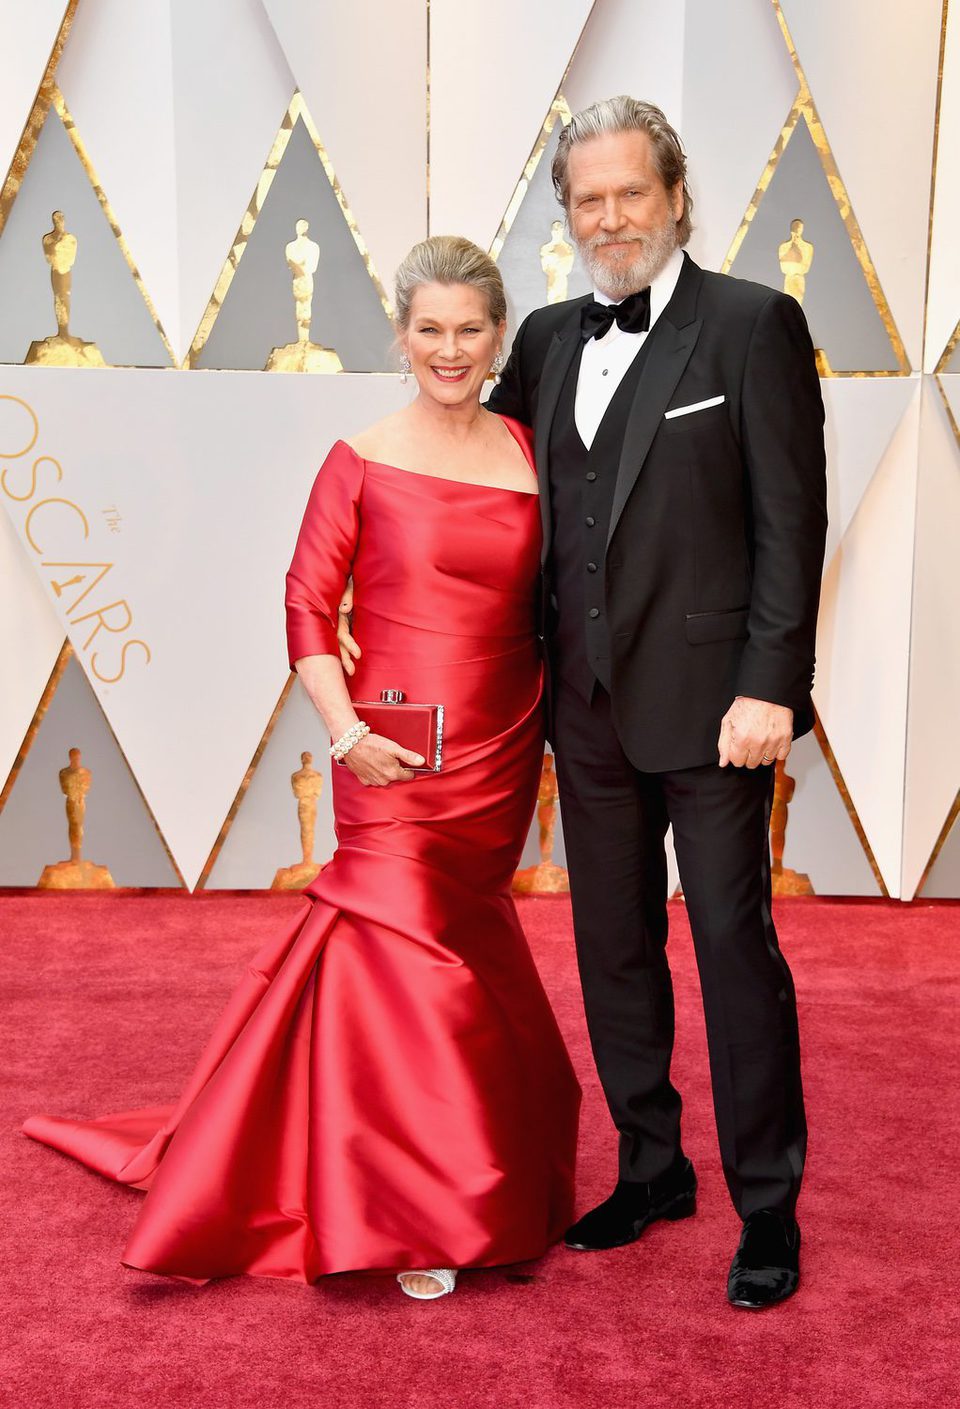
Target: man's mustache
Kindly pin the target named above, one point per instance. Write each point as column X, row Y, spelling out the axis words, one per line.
column 598, row 241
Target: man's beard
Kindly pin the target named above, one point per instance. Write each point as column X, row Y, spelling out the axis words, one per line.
column 636, row 267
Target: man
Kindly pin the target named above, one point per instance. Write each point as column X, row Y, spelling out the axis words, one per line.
column 679, row 442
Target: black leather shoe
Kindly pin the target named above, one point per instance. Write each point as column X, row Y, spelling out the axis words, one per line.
column 766, row 1266
column 622, row 1217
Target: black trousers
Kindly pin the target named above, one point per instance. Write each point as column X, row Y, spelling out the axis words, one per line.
column 614, row 822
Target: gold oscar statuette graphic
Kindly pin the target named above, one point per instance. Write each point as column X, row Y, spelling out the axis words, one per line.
column 556, row 261
column 796, row 257
column 303, row 257
column 307, row 784
column 785, row 881
column 62, row 349
column 75, row 874
column 546, row 878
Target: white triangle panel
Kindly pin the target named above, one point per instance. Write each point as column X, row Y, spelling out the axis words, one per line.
column 509, row 59
column 630, row 46
column 27, row 36
column 232, row 86
column 735, row 64
column 30, row 634
column 202, row 90
column 943, row 292
column 933, row 740
column 362, row 69
column 863, row 646
column 116, row 79
column 950, row 385
column 862, row 414
column 872, row 73
column 193, row 498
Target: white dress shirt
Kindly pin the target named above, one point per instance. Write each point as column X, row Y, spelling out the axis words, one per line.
column 604, row 361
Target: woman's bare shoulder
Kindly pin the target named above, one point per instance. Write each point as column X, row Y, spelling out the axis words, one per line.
column 376, row 442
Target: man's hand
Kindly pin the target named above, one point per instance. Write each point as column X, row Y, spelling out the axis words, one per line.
column 754, row 732
column 349, row 650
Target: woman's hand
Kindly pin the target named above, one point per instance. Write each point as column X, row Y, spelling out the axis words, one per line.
column 378, row 762
column 349, row 650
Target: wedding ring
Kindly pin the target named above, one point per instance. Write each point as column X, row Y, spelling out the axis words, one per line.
column 765, row 759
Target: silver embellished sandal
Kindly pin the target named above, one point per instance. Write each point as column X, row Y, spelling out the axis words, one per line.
column 445, row 1276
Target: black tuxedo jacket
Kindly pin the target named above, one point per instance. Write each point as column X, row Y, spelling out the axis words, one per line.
column 711, row 577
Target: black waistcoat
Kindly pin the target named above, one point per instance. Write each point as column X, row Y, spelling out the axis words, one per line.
column 582, row 485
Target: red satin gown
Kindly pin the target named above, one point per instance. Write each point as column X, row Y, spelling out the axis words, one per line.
column 387, row 1087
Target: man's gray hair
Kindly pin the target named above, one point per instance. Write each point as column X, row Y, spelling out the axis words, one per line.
column 625, row 114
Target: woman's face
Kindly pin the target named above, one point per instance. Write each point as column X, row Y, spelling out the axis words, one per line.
column 451, row 341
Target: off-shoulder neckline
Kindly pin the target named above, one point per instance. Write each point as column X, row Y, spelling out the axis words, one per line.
column 446, row 479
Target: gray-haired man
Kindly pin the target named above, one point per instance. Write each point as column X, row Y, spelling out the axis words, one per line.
column 679, row 439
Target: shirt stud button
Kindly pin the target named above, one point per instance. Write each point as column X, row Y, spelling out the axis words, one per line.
column 594, row 612
column 591, row 567
column 605, row 372
column 591, row 521
column 591, row 475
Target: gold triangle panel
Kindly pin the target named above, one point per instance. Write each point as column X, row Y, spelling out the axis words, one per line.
column 245, row 782
column 947, row 847
column 71, row 761
column 35, row 121
column 64, row 260
column 257, row 305
column 772, row 250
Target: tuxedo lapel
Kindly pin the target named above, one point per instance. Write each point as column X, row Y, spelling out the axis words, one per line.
column 672, row 340
column 564, row 346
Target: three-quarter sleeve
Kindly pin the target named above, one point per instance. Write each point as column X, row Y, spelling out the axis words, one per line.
column 323, row 556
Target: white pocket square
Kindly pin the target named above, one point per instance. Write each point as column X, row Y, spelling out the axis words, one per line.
column 694, row 406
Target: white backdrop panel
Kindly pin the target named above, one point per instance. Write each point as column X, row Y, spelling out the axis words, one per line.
column 738, row 86
column 508, row 60
column 862, row 414
column 203, row 90
column 193, row 487
column 231, row 89
column 630, row 46
column 27, row 36
column 116, row 77
column 933, row 740
column 871, row 66
column 30, row 641
column 863, row 646
column 943, row 294
column 362, row 69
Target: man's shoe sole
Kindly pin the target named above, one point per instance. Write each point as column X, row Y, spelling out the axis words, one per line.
column 684, row 1206
column 763, row 1305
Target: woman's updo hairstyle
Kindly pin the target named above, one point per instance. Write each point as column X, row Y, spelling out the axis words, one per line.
column 449, row 259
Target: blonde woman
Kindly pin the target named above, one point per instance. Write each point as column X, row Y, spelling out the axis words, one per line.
column 387, row 1089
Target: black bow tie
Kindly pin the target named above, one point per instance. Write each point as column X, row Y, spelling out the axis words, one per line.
column 631, row 316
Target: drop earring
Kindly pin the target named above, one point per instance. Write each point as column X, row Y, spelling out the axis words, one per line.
column 497, row 367
column 405, row 368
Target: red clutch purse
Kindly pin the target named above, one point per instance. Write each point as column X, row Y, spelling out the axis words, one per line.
column 418, row 727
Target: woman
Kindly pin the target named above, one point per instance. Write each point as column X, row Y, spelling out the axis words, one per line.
column 387, row 1088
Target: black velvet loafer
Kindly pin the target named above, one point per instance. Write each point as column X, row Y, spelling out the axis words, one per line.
column 766, row 1265
column 622, row 1217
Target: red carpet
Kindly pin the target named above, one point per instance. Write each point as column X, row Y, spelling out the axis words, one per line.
column 108, row 1000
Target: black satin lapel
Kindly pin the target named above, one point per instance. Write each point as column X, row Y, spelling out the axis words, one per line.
column 563, row 348
column 665, row 365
